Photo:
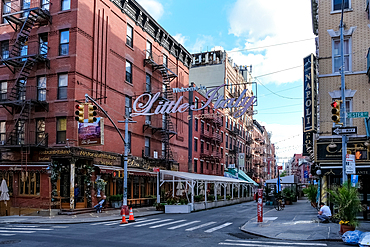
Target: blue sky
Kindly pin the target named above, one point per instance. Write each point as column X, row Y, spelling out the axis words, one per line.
column 282, row 32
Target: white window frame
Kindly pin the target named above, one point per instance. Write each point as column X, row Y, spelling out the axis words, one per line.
column 339, row 10
column 349, row 55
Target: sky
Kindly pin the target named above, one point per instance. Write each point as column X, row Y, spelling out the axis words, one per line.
column 272, row 36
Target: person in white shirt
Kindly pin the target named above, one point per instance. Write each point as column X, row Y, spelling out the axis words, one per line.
column 324, row 213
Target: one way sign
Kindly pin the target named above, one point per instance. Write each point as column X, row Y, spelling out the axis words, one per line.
column 344, row 130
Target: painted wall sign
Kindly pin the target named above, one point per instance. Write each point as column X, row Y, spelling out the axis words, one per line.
column 241, row 104
column 310, row 93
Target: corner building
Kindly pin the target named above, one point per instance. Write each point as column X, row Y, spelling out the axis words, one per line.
column 52, row 54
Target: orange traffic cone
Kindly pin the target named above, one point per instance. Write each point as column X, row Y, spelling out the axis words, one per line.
column 123, row 220
column 131, row 217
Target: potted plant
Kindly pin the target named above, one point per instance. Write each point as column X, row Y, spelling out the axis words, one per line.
column 177, row 206
column 100, row 186
column 116, row 201
column 311, row 193
column 347, row 202
column 288, row 194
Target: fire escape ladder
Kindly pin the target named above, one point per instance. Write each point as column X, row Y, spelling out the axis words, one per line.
column 17, row 134
column 18, row 91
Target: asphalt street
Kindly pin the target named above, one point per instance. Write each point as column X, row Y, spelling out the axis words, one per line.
column 215, row 227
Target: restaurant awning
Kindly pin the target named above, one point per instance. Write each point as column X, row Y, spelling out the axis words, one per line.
column 140, row 172
column 109, row 169
column 241, row 175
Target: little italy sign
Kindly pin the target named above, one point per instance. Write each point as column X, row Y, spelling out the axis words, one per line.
column 166, row 107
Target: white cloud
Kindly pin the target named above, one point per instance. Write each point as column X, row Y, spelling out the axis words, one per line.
column 288, row 140
column 180, row 38
column 271, row 22
column 203, row 43
column 153, row 7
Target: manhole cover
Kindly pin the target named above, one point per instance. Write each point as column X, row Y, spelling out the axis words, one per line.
column 10, row 241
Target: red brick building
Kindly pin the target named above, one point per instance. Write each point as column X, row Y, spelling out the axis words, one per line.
column 53, row 53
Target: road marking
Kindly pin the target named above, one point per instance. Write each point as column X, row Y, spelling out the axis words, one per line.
column 23, row 226
column 151, row 223
column 17, row 228
column 196, row 227
column 165, row 224
column 138, row 222
column 186, row 224
column 218, row 227
column 17, row 231
column 99, row 223
column 6, row 234
column 253, row 243
column 113, row 223
column 60, row 226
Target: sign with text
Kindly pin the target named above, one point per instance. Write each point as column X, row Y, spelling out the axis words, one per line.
column 357, row 114
column 260, row 205
column 90, row 134
column 241, row 160
column 350, row 164
column 344, row 130
column 310, row 93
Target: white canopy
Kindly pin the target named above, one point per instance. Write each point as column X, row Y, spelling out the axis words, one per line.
column 4, row 191
column 167, row 176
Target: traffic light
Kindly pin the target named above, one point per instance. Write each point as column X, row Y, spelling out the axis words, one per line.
column 80, row 113
column 335, row 111
column 92, row 113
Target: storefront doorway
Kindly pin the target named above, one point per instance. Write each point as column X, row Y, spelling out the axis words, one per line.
column 365, row 195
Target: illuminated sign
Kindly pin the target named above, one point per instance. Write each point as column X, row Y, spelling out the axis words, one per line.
column 310, row 93
column 241, row 104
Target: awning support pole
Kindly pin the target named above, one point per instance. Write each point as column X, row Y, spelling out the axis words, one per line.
column 215, row 190
column 197, row 188
column 225, row 191
column 192, row 194
column 158, row 188
column 232, row 191
column 173, row 186
column 238, row 190
column 205, row 191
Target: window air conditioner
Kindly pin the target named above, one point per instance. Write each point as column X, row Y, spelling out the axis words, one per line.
column 147, row 122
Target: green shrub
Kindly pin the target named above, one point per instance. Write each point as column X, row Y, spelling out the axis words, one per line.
column 220, row 197
column 228, row 197
column 198, row 198
column 311, row 193
column 211, row 198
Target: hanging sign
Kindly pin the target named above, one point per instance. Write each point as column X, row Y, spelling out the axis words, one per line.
column 241, row 104
column 310, row 93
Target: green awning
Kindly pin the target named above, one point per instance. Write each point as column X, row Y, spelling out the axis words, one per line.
column 242, row 175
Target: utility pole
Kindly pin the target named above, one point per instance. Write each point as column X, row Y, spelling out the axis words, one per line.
column 343, row 98
column 190, row 132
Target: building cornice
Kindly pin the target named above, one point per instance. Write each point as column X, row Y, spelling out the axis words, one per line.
column 142, row 19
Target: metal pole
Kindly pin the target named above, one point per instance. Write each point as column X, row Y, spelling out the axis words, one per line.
column 343, row 98
column 125, row 153
column 190, row 136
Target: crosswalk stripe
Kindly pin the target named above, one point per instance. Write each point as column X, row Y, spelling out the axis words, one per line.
column 151, row 223
column 169, row 223
column 17, row 231
column 196, row 227
column 6, row 234
column 99, row 223
column 113, row 223
column 186, row 224
column 60, row 226
column 130, row 224
column 24, row 226
column 33, row 229
column 253, row 242
column 218, row 227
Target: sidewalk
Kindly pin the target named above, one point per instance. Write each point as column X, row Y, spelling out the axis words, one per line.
column 295, row 222
column 109, row 215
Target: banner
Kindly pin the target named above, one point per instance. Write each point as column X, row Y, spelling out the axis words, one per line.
column 91, row 134
column 310, row 93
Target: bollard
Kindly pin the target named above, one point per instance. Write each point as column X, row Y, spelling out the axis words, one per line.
column 260, row 206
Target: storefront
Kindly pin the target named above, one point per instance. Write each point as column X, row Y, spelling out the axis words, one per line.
column 329, row 159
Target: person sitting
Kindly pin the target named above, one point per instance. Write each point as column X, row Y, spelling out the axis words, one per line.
column 98, row 207
column 324, row 213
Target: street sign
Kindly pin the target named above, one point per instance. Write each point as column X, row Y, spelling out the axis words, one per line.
column 344, row 130
column 350, row 164
column 357, row 114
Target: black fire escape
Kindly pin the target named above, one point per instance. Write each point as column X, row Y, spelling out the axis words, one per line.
column 165, row 127
column 20, row 99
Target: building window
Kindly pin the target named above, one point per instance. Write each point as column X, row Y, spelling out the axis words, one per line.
column 195, row 166
column 3, row 90
column 64, row 43
column 45, row 4
column 148, row 82
column 6, row 9
column 43, row 44
column 129, row 142
column 207, row 127
column 29, row 184
column 41, row 88
column 222, row 152
column 337, row 4
column 201, row 167
column 128, row 106
column 148, row 50
column 196, row 124
column 62, row 86
column 61, row 130
column 5, row 49
column 337, row 60
column 66, row 5
column 40, row 132
column 227, row 123
column 163, row 150
column 128, row 72
column 2, row 132
column 24, row 50
column 21, row 89
column 165, row 60
column 227, row 141
column 207, row 146
column 147, row 147
column 26, row 4
column 222, row 137
column 129, row 36
column 202, row 126
column 202, row 147
column 196, row 101
column 196, row 145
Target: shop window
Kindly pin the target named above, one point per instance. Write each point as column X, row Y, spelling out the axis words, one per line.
column 41, row 88
column 129, row 72
column 62, row 86
column 29, row 183
column 64, row 43
column 129, row 36
column 66, row 4
column 61, row 130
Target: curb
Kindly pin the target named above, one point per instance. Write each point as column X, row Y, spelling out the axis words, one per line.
column 76, row 222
